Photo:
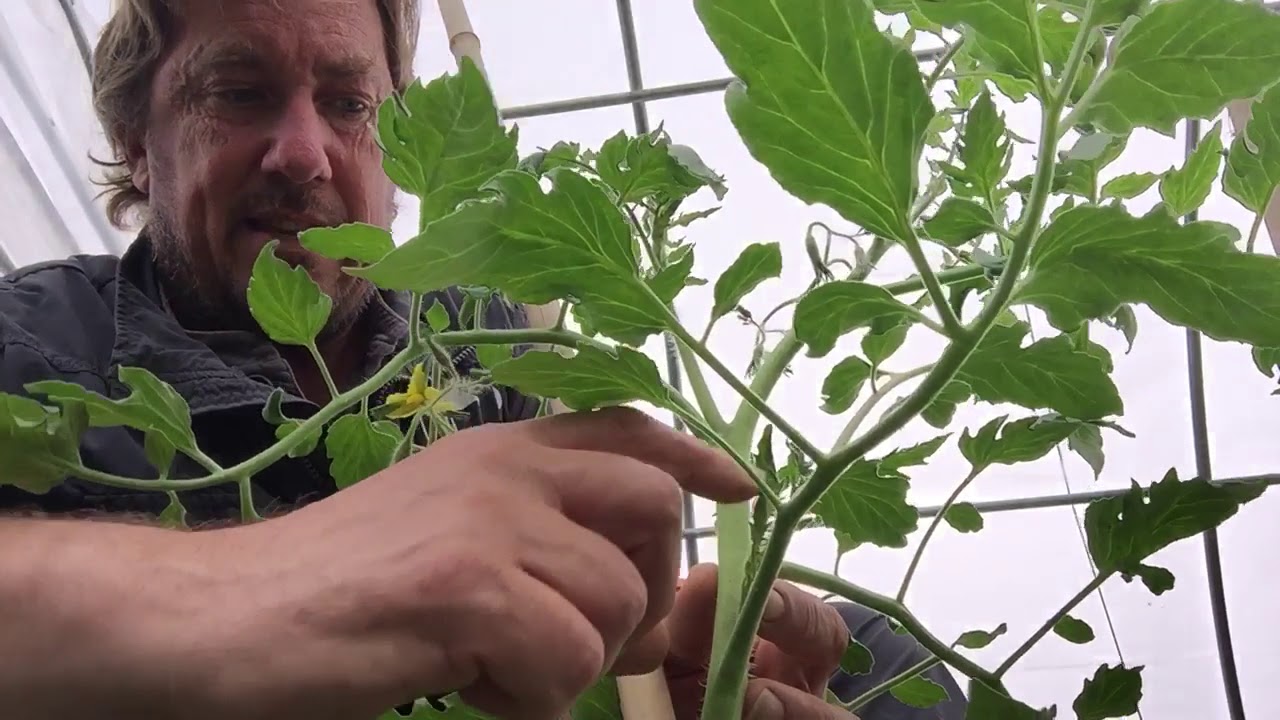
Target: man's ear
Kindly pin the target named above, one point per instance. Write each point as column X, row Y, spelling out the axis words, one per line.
column 139, row 170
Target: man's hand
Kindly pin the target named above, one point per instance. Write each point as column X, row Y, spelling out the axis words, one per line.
column 801, row 642
column 511, row 562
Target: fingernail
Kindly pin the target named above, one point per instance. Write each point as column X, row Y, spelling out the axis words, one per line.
column 774, row 606
column 767, row 707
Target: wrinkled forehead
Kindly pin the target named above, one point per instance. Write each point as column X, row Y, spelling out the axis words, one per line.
column 326, row 39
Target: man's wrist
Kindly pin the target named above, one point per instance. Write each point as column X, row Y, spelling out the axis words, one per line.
column 119, row 616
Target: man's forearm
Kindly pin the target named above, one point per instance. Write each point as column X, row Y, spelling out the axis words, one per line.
column 93, row 616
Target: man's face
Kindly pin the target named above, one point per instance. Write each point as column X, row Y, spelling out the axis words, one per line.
column 260, row 125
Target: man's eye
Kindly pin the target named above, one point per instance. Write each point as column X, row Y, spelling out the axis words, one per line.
column 239, row 96
column 351, row 107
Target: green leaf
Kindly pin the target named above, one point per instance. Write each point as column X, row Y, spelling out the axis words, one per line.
column 835, row 109
column 359, row 447
column 959, row 221
column 351, row 241
column 1093, row 259
column 964, row 517
column 857, row 659
column 988, row 703
column 537, row 247
column 1086, row 442
column 917, row 454
column 1024, row 440
column 1112, row 692
column 285, row 301
column 562, row 154
column 757, row 262
column 1004, row 30
column 1157, row 579
column 978, row 639
column 174, row 514
column 491, row 355
column 1073, row 630
column 1253, row 163
column 1129, row 186
column 1226, row 50
column 885, row 335
column 985, row 149
column 943, row 408
column 648, row 165
column 831, row 310
column 600, row 702
column 1108, row 12
column 438, row 317
column 443, row 141
column 308, row 444
column 589, row 379
column 869, row 504
column 1124, row 531
column 1047, row 374
column 151, row 406
column 919, row 691
column 843, row 383
column 1126, row 322
column 37, row 443
column 1184, row 190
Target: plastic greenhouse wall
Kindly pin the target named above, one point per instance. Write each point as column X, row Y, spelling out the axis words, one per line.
column 584, row 69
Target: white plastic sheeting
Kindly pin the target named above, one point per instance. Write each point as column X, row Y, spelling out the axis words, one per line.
column 1021, row 567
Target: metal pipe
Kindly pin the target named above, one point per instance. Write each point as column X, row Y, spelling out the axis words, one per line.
column 635, row 81
column 1204, row 469
column 1039, row 502
column 77, row 32
column 645, row 94
column 25, row 88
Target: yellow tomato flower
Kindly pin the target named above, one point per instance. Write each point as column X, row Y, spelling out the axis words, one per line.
column 419, row 395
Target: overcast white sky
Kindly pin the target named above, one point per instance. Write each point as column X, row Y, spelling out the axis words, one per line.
column 1024, row 564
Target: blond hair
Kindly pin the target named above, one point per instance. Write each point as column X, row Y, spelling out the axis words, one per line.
column 129, row 51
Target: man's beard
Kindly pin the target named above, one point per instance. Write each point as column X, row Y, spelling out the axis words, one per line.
column 209, row 301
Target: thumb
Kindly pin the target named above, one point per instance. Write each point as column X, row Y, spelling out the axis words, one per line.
column 769, row 700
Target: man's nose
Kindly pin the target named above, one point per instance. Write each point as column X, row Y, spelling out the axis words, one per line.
column 299, row 144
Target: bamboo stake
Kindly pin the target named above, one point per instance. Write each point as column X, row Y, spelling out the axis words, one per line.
column 1240, row 111
column 642, row 697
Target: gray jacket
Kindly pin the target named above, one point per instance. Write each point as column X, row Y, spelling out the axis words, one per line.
column 82, row 318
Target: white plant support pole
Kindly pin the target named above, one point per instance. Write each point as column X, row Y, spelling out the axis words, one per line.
column 1240, row 111
column 642, row 697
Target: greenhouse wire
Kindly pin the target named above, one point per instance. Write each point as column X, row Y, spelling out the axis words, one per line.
column 642, row 95
column 24, row 85
column 1046, row 501
column 1204, row 469
column 77, row 32
column 9, row 146
column 631, row 52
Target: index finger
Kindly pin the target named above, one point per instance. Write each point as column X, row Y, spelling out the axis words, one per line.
column 699, row 468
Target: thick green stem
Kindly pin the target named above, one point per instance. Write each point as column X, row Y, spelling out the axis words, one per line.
column 890, row 608
column 248, row 513
column 324, row 369
column 861, row 701
column 880, row 394
column 406, row 443
column 928, row 533
column 747, row 393
column 269, row 456
column 1079, row 597
column 698, row 383
column 950, row 323
column 1253, row 231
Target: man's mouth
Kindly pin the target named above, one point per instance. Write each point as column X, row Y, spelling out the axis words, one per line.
column 283, row 229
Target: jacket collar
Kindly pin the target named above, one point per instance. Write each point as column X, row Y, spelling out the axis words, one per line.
column 224, row 369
